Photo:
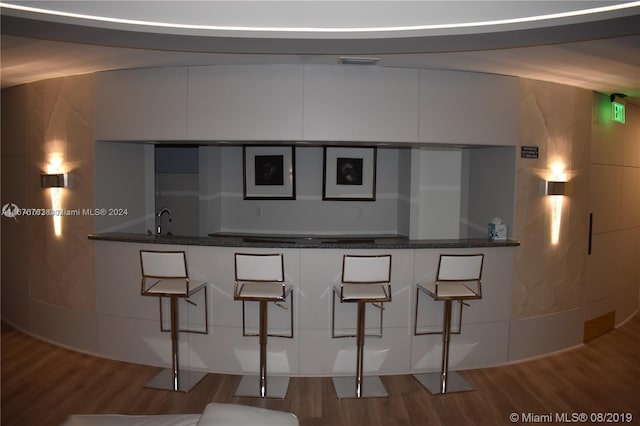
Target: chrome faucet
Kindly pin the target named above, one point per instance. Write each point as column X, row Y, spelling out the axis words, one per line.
column 159, row 219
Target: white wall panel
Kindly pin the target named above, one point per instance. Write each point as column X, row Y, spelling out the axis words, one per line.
column 141, row 104
column 351, row 103
column 259, row 102
column 468, row 108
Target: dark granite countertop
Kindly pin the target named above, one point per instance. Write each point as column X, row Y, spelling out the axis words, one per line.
column 300, row 241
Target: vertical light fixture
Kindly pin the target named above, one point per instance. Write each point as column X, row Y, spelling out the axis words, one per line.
column 557, row 188
column 55, row 180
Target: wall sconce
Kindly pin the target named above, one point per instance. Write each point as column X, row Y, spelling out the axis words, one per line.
column 556, row 187
column 56, row 180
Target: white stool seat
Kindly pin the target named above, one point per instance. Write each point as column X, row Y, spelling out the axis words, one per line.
column 442, row 291
column 363, row 292
column 254, row 291
column 171, row 286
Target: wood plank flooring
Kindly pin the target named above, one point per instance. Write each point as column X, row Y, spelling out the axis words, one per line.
column 42, row 384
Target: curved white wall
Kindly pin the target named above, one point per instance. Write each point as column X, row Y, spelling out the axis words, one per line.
column 59, row 309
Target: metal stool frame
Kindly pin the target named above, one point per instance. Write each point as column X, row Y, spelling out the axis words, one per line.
column 456, row 281
column 169, row 278
column 374, row 387
column 279, row 385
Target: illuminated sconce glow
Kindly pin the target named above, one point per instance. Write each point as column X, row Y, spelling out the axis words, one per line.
column 55, row 167
column 556, row 218
column 557, row 188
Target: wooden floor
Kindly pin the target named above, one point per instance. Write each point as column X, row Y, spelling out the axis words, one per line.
column 42, row 384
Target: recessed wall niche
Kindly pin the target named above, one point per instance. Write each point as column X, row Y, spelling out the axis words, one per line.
column 202, row 185
column 225, row 209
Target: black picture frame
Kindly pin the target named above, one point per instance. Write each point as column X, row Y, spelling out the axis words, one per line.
column 349, row 173
column 269, row 172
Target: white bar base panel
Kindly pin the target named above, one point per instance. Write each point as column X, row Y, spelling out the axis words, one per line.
column 186, row 380
column 433, row 383
column 276, row 387
column 372, row 387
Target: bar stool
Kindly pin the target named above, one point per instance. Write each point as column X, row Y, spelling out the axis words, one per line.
column 458, row 279
column 164, row 274
column 365, row 279
column 260, row 278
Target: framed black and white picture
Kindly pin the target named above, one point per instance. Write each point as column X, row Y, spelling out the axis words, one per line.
column 349, row 173
column 269, row 172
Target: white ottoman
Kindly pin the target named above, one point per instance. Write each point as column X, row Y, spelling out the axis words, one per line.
column 214, row 415
column 124, row 420
column 242, row 415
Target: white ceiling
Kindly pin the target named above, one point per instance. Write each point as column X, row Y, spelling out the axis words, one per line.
column 599, row 52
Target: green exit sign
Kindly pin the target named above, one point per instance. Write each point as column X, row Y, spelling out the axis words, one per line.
column 617, row 112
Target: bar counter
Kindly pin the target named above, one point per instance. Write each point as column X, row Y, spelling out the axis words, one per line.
column 128, row 326
column 302, row 241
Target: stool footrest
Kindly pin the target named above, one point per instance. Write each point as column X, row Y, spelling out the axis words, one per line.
column 433, row 383
column 186, row 380
column 372, row 387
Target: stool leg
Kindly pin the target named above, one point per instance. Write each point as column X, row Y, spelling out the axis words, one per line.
column 444, row 382
column 366, row 387
column 360, row 348
column 446, row 339
column 263, row 349
column 174, row 379
column 256, row 386
column 175, row 334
